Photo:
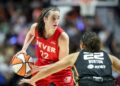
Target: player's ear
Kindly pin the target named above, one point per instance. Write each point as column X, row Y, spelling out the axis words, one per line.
column 45, row 19
column 82, row 46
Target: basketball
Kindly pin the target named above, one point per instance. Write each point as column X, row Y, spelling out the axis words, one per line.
column 21, row 64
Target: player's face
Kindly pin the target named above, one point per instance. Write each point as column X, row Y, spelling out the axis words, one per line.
column 52, row 20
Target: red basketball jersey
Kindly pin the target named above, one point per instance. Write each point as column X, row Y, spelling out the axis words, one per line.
column 47, row 50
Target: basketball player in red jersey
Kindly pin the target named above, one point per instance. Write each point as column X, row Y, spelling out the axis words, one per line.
column 52, row 43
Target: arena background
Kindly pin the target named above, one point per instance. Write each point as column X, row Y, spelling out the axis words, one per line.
column 16, row 16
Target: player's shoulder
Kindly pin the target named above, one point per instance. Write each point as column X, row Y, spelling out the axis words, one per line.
column 34, row 25
column 64, row 36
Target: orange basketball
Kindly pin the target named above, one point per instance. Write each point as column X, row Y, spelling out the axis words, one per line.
column 22, row 64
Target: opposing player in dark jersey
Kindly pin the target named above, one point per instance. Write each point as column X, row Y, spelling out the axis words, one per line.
column 52, row 43
column 94, row 66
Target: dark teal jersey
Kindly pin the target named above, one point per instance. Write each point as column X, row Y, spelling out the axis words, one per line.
column 94, row 64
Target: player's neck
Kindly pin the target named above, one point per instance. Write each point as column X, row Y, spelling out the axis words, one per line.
column 49, row 32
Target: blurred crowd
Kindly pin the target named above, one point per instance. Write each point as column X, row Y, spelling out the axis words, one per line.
column 16, row 17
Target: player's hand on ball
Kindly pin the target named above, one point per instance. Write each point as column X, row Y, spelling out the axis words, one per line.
column 21, row 51
column 21, row 64
column 27, row 81
column 34, row 70
column 28, row 74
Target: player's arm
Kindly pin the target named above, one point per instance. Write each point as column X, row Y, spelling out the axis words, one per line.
column 29, row 37
column 115, row 63
column 68, row 60
column 63, row 43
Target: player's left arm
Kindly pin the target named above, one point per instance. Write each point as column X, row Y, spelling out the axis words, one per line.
column 63, row 43
column 52, row 68
column 115, row 63
column 55, row 67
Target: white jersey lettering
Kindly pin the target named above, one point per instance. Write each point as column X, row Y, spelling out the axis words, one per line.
column 53, row 50
column 46, row 47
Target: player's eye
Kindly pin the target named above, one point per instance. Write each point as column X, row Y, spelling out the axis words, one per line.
column 53, row 18
column 56, row 18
